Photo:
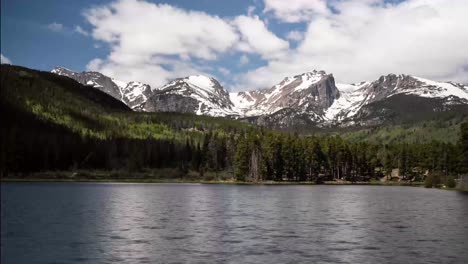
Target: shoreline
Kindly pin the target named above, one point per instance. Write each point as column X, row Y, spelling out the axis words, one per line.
column 170, row 176
column 217, row 182
column 143, row 180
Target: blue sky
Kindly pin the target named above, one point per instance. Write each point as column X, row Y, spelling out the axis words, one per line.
column 27, row 40
column 245, row 44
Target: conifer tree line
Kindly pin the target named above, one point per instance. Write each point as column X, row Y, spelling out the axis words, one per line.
column 252, row 154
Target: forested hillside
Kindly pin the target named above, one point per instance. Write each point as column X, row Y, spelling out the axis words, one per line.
column 53, row 123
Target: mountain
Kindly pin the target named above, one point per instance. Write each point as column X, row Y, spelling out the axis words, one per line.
column 132, row 94
column 194, row 94
column 310, row 93
column 385, row 98
column 301, row 99
column 311, row 99
column 314, row 99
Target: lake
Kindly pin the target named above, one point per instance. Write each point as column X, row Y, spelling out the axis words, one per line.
column 202, row 223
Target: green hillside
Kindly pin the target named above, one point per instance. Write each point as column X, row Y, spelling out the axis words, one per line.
column 89, row 112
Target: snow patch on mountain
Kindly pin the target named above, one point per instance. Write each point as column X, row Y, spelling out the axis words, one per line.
column 242, row 101
column 433, row 89
column 351, row 99
column 201, row 81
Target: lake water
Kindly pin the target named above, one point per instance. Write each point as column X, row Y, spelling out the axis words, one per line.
column 195, row 223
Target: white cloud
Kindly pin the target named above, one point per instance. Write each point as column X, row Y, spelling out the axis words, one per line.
column 292, row 11
column 142, row 27
column 56, row 27
column 81, row 31
column 295, row 35
column 94, row 65
column 359, row 40
column 143, row 36
column 4, row 60
column 367, row 39
column 256, row 38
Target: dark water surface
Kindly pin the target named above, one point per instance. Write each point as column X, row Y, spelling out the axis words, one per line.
column 194, row 223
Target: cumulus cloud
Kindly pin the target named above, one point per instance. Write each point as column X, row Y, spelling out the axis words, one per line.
column 163, row 42
column 56, row 27
column 295, row 35
column 296, row 10
column 142, row 27
column 355, row 40
column 145, row 36
column 4, row 60
column 362, row 40
column 256, row 38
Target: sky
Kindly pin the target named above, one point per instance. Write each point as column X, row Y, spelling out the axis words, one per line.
column 246, row 45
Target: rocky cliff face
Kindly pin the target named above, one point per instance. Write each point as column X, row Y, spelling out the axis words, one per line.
column 311, row 92
column 194, row 94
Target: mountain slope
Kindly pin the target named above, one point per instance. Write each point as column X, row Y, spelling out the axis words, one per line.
column 132, row 94
column 90, row 112
column 194, row 94
column 310, row 93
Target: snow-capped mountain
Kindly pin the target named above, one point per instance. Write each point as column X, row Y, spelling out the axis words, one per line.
column 95, row 79
column 311, row 98
column 308, row 93
column 135, row 93
column 132, row 94
column 356, row 96
column 194, row 94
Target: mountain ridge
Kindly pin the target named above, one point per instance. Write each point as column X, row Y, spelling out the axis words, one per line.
column 311, row 98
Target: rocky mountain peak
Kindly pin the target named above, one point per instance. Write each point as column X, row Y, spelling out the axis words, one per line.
column 61, row 70
column 132, row 94
column 193, row 94
column 95, row 79
column 307, row 92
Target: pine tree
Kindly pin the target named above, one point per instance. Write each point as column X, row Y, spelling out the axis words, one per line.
column 242, row 159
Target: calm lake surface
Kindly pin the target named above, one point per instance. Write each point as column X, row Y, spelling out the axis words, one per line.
column 195, row 223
